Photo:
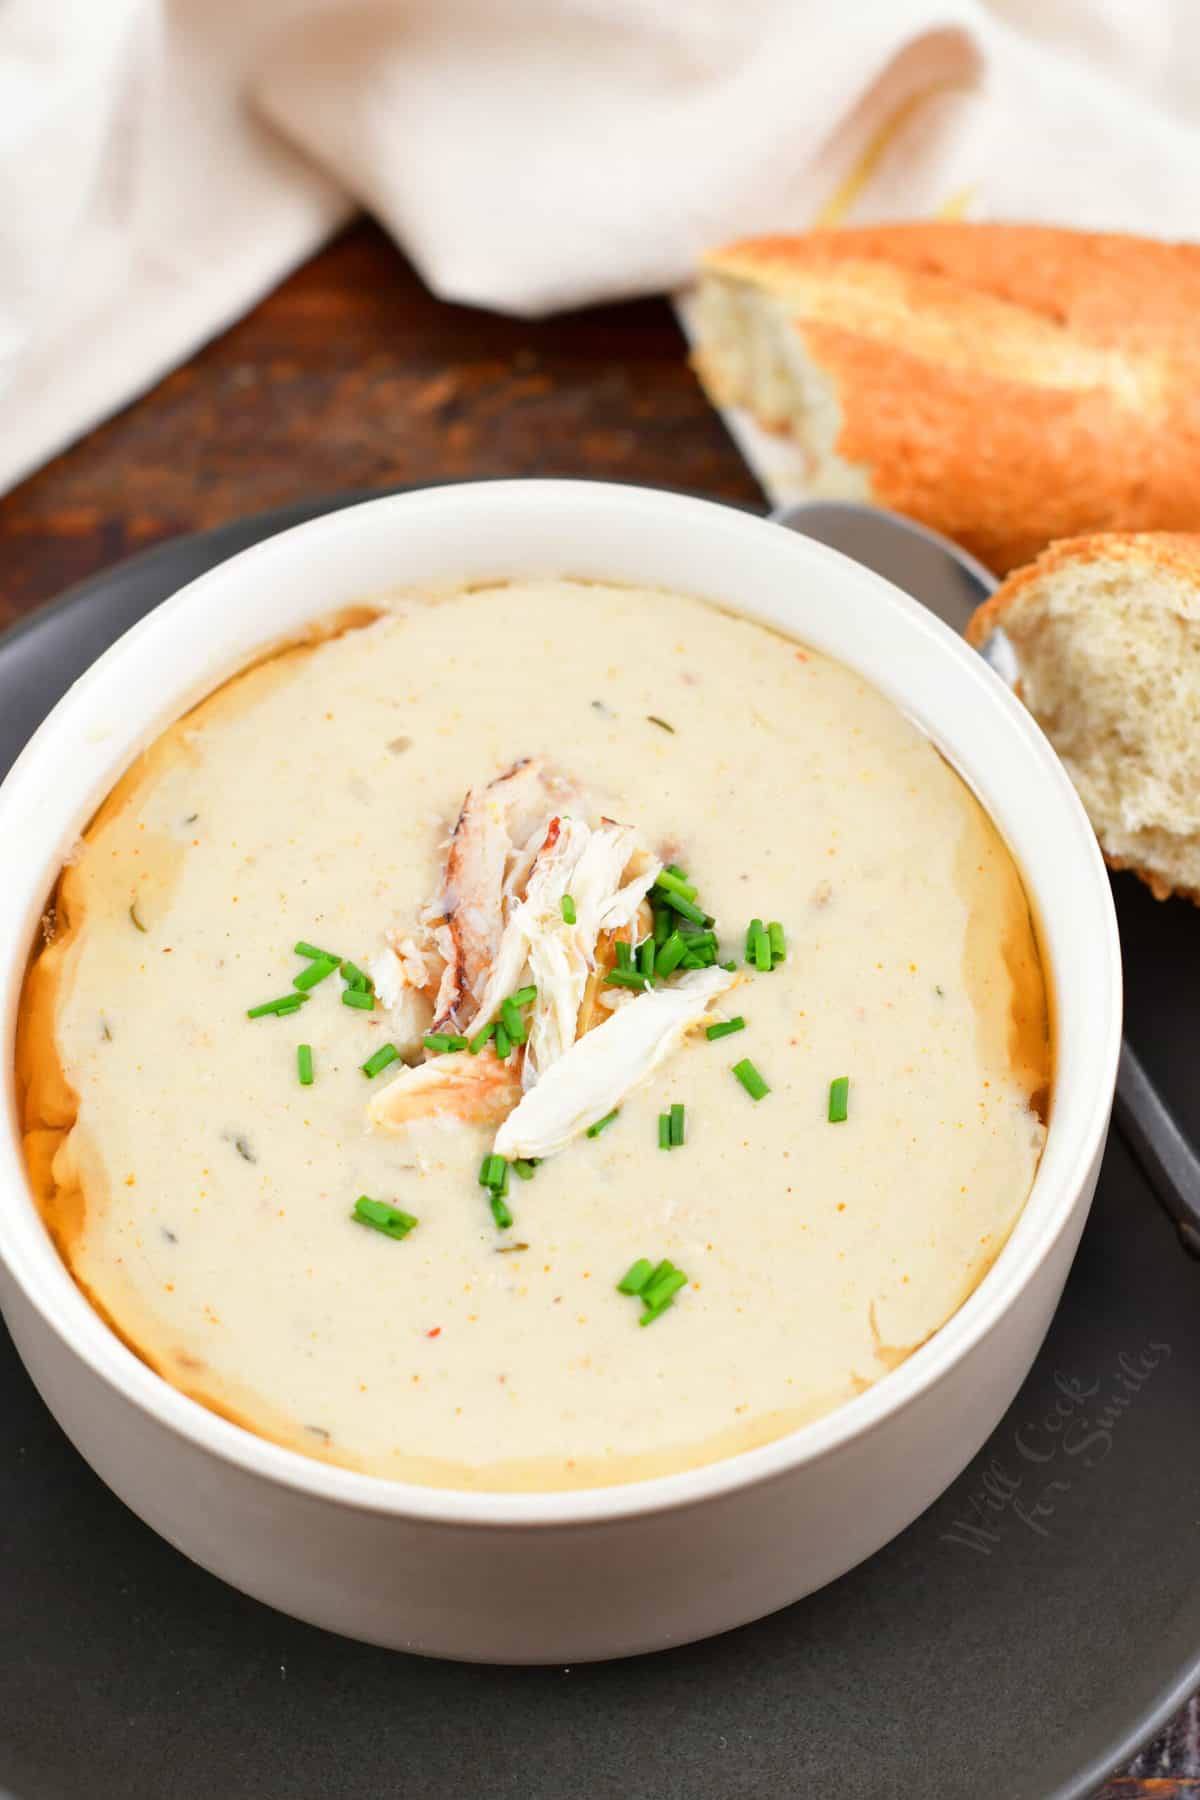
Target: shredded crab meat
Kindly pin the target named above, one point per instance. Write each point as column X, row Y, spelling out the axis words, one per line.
column 492, row 821
column 457, row 1088
column 601, row 1068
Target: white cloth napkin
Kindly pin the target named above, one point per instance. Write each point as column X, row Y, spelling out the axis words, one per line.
column 163, row 163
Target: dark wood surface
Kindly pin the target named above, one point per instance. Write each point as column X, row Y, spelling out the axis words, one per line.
column 353, row 376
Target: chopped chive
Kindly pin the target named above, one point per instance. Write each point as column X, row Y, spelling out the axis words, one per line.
column 668, row 883
column 381, row 1217
column 671, row 954
column 730, row 966
column 636, row 1276
column 750, row 1079
column 524, row 1168
column 839, row 1099
column 664, row 1131
column 524, row 995
column 313, row 954
column 662, row 925
column 601, row 1124
column 501, row 1212
column 374, row 1065
column 752, row 931
column 696, row 939
column 762, row 952
column 356, row 977
column 280, row 1008
column 304, row 1064
column 660, row 1269
column 358, row 997
column 480, row 1039
column 503, row 1042
column 624, row 954
column 688, row 909
column 316, row 972
column 676, row 1126
column 655, row 1294
column 645, row 956
column 500, row 1184
column 778, row 941
column 726, row 1028
column 674, row 869
column 568, row 910
column 443, row 1041
column 655, row 1312
column 652, row 719
column 491, row 1170
column 510, row 1016
column 630, row 978
column 694, row 961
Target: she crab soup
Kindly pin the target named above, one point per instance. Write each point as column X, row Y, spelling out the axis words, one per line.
column 548, row 1035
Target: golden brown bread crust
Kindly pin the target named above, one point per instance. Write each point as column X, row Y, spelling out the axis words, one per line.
column 1005, row 384
column 1166, row 552
column 1171, row 552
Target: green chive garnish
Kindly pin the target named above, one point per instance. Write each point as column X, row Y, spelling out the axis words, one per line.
column 662, row 925
column 778, row 942
column 671, row 954
column 480, row 1039
column 676, row 1126
column 280, row 1008
column 664, row 1131
column 636, row 1276
column 602, row 1124
column 750, row 1079
column 313, row 954
column 630, row 978
column 316, row 971
column 443, row 1041
column 694, row 960
column 762, row 952
column 839, row 1099
column 356, row 977
column 645, row 956
column 730, row 966
column 500, row 1186
column 624, row 954
column 657, row 1292
column 688, row 909
column 304, row 1064
column 491, row 1171
column 568, row 910
column 510, row 1016
column 752, row 931
column 670, row 883
column 523, row 1168
column 358, row 997
column 381, row 1217
column 524, row 995
column 374, row 1065
column 503, row 1042
column 501, row 1212
column 726, row 1028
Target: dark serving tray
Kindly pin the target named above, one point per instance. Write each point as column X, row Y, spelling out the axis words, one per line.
column 1019, row 1642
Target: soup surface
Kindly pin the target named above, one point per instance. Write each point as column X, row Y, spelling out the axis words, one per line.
column 202, row 1193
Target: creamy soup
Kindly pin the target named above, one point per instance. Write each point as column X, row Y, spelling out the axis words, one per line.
column 438, row 1219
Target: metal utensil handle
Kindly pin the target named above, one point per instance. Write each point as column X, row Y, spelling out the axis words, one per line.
column 1167, row 1160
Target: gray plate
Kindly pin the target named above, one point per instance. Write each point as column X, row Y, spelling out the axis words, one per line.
column 1018, row 1642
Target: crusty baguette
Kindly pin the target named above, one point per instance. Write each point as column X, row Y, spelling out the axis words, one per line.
column 1006, row 384
column 1106, row 632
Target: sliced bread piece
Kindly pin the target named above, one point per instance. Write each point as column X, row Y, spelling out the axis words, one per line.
column 1106, row 632
column 1006, row 384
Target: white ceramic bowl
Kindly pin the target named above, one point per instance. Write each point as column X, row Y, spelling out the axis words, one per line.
column 564, row 1576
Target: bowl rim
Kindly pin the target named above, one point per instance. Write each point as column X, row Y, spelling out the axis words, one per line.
column 33, row 1263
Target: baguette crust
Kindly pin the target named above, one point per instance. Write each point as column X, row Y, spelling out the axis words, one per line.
column 1006, row 384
